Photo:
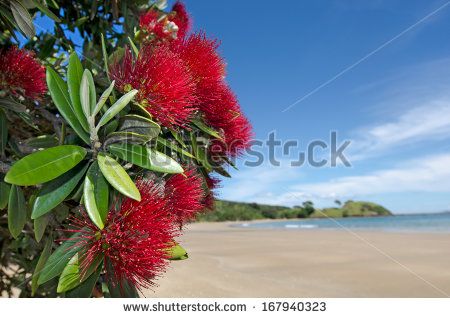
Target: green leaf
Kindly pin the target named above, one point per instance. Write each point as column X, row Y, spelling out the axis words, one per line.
column 118, row 177
column 23, row 18
column 141, row 110
column 59, row 92
column 77, row 193
column 178, row 138
column 3, row 132
column 96, row 196
column 45, row 165
column 84, row 290
column 133, row 46
column 17, row 211
column 8, row 22
column 168, row 144
column 92, row 91
column 4, row 194
column 57, row 190
column 105, row 56
column 141, row 125
column 85, row 93
column 109, row 127
column 44, row 141
column 177, row 253
column 103, row 99
column 70, row 276
column 146, row 158
column 12, row 105
column 116, row 56
column 28, row 119
column 206, row 129
column 101, row 187
column 222, row 172
column 119, row 289
column 40, row 264
column 200, row 153
column 53, row 4
column 39, row 227
column 46, row 11
column 90, row 204
column 117, row 107
column 74, row 76
column 58, row 260
column 125, row 136
column 81, row 21
column 122, row 290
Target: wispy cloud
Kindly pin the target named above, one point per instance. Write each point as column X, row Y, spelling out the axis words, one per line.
column 413, row 113
column 424, row 123
column 283, row 186
column 427, row 174
column 259, row 184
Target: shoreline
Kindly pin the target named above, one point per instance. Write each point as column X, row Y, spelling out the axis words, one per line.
column 226, row 261
column 250, row 224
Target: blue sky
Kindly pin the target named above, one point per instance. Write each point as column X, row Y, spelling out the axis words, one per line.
column 391, row 98
column 394, row 106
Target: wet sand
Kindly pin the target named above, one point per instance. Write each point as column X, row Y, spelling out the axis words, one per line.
column 241, row 262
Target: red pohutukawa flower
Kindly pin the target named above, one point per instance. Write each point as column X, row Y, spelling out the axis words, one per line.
column 204, row 63
column 158, row 26
column 181, row 18
column 185, row 195
column 134, row 240
column 212, row 183
column 165, row 86
column 222, row 112
column 21, row 74
column 215, row 99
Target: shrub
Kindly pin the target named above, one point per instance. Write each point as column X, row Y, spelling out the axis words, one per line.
column 107, row 150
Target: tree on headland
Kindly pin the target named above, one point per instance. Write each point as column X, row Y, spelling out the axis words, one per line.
column 308, row 208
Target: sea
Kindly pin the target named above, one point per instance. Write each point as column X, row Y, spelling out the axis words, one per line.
column 431, row 223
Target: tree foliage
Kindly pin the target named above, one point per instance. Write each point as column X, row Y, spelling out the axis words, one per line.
column 113, row 120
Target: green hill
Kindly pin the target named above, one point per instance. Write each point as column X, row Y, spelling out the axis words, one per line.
column 239, row 211
column 353, row 208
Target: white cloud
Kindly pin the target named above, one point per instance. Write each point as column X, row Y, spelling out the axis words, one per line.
column 415, row 115
column 429, row 174
column 259, row 184
column 427, row 122
column 281, row 185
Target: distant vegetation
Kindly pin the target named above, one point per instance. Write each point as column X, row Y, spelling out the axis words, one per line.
column 238, row 211
column 352, row 208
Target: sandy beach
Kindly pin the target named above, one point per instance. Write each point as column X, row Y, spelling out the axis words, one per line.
column 227, row 261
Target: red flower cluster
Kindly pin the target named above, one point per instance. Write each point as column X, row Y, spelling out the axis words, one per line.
column 212, row 96
column 181, row 18
column 177, row 79
column 185, row 195
column 216, row 101
column 161, row 26
column 209, row 199
column 133, row 242
column 21, row 74
column 164, row 83
column 137, row 235
column 206, row 66
column 222, row 111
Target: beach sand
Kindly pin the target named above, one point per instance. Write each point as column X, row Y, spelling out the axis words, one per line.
column 227, row 261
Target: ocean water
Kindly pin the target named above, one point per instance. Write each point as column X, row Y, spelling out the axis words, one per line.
column 398, row 223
